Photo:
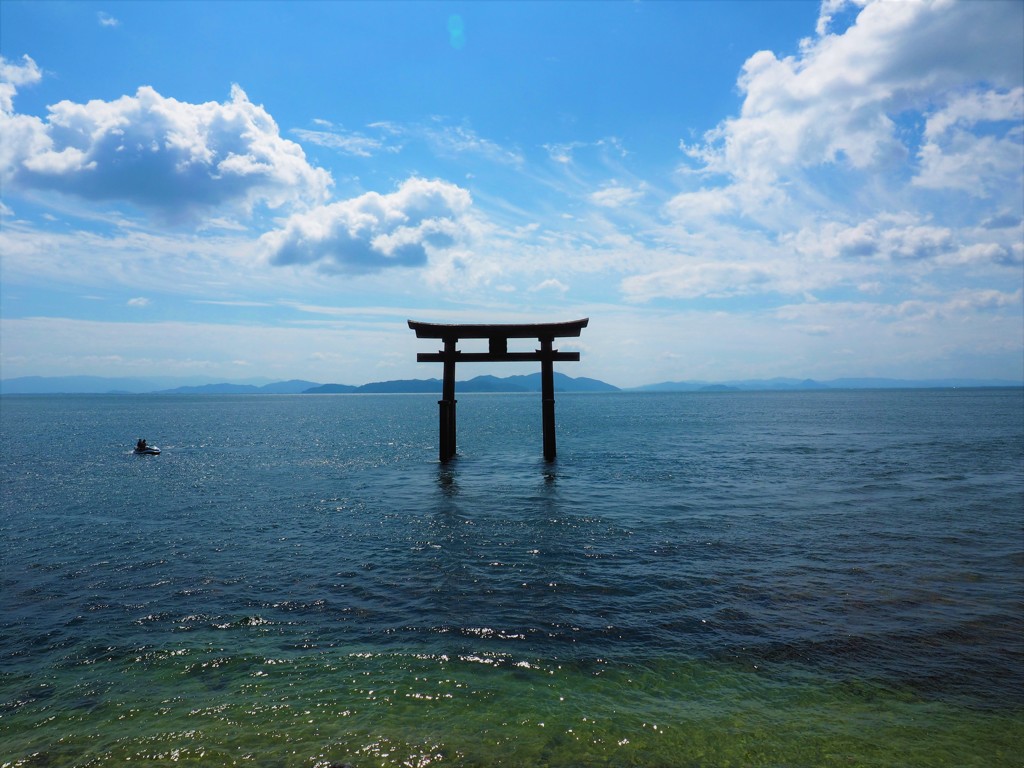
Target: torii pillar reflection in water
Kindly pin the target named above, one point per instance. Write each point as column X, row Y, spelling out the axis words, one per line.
column 497, row 351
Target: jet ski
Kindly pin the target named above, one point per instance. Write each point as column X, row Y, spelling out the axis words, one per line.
column 144, row 449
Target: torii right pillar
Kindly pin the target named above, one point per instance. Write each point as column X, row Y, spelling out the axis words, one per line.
column 547, row 395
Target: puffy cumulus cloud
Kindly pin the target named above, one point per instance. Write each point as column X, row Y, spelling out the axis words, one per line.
column 917, row 242
column 173, row 158
column 374, row 231
column 981, row 254
column 896, row 239
column 893, row 238
column 841, row 98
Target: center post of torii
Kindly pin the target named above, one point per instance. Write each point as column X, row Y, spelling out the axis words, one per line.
column 497, row 352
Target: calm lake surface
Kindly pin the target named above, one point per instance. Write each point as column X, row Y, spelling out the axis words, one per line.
column 706, row 579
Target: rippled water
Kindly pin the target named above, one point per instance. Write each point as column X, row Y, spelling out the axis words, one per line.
column 798, row 579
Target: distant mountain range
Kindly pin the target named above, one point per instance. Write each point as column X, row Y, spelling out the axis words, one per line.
column 39, row 385
column 752, row 385
column 528, row 383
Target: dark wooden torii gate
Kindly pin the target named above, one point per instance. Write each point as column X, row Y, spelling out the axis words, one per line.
column 497, row 351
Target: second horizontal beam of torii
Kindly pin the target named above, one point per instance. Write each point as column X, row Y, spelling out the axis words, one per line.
column 497, row 336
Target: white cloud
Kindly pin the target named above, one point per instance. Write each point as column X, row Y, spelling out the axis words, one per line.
column 551, row 285
column 176, row 159
column 897, row 250
column 233, row 302
column 565, row 153
column 12, row 76
column 459, row 140
column 701, row 278
column 968, row 109
column 985, row 300
column 139, row 301
column 615, row 195
column 354, row 144
column 830, row 8
column 911, row 313
column 954, row 156
column 451, row 141
column 106, row 20
column 20, row 135
column 983, row 254
column 562, row 153
column 904, row 239
column 893, row 238
column 374, row 231
column 701, row 205
column 839, row 99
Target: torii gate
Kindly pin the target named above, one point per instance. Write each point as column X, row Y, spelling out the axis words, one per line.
column 497, row 336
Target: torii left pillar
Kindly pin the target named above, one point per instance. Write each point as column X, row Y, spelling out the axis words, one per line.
column 497, row 336
column 446, row 409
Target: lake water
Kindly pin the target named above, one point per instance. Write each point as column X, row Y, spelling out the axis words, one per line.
column 700, row 579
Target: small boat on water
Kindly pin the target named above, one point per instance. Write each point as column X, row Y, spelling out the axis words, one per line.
column 142, row 448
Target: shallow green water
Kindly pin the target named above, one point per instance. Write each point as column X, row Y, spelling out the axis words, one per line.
column 210, row 706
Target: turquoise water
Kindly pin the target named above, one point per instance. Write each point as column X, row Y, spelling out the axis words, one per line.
column 747, row 579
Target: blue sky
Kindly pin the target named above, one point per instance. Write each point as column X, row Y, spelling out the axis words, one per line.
column 727, row 190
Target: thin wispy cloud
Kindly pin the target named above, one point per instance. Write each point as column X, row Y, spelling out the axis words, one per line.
column 614, row 195
column 355, row 144
column 232, row 303
column 462, row 141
